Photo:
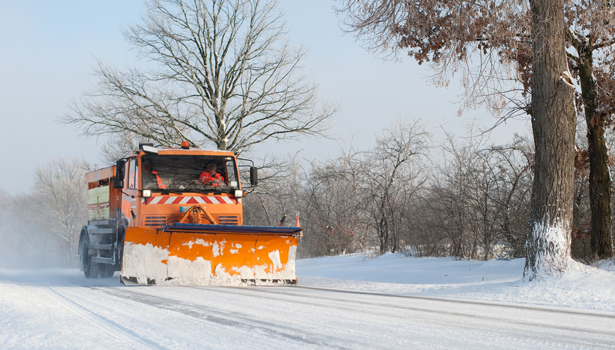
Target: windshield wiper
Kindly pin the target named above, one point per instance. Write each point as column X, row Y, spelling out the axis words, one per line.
column 206, row 190
column 169, row 192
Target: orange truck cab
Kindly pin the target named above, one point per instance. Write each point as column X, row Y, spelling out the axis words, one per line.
column 175, row 216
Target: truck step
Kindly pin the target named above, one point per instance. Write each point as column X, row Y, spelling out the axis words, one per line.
column 103, row 260
column 102, row 246
column 101, row 231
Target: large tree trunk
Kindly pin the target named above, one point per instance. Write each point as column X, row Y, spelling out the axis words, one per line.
column 553, row 126
column 599, row 177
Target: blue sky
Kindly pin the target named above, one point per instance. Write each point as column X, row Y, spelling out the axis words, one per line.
column 49, row 47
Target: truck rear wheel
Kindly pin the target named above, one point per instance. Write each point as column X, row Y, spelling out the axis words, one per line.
column 90, row 269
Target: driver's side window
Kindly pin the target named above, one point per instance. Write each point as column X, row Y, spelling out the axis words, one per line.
column 133, row 175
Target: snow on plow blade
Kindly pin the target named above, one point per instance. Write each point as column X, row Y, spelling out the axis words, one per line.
column 195, row 254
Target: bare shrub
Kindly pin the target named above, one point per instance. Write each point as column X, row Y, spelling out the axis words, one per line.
column 61, row 191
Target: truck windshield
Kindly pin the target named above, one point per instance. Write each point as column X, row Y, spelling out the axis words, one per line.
column 172, row 173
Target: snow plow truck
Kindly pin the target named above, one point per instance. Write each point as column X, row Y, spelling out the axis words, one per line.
column 175, row 216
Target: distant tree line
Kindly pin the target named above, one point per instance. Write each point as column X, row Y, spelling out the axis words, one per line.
column 464, row 198
column 40, row 229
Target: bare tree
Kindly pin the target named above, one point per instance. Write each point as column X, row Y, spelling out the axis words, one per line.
column 476, row 203
column 223, row 74
column 336, row 206
column 459, row 198
column 393, row 172
column 61, row 189
column 327, row 196
column 509, row 170
column 468, row 190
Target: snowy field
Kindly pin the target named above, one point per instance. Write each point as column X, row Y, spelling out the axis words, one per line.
column 346, row 302
column 581, row 287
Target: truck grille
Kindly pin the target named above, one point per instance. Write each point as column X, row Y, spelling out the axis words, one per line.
column 228, row 220
column 155, row 220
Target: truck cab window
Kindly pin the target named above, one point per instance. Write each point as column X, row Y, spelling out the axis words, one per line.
column 232, row 175
column 189, row 174
column 132, row 174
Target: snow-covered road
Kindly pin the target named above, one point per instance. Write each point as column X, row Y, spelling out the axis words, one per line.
column 61, row 309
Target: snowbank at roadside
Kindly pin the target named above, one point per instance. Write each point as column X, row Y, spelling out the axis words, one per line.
column 581, row 287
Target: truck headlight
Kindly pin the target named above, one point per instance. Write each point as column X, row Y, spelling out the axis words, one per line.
column 147, row 193
column 238, row 193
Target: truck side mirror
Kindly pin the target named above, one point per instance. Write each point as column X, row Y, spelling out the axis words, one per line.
column 120, row 167
column 253, row 176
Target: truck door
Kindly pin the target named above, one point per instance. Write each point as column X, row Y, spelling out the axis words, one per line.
column 129, row 204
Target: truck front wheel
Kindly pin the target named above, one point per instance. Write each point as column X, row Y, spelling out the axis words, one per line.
column 106, row 270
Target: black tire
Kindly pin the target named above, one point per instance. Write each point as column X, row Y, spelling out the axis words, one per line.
column 120, row 251
column 90, row 269
column 106, row 270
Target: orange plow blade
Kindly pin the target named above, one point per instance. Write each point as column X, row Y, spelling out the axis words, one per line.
column 194, row 254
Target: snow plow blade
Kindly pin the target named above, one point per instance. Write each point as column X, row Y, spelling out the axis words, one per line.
column 197, row 254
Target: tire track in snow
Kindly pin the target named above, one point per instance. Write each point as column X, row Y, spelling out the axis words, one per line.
column 110, row 326
column 465, row 301
column 535, row 326
column 397, row 307
column 227, row 318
